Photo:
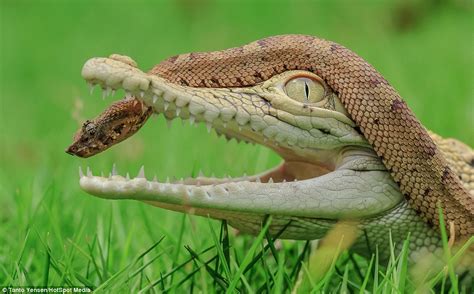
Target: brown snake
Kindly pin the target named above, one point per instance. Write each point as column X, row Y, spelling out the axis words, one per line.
column 404, row 145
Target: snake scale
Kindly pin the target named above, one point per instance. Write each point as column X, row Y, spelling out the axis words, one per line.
column 403, row 144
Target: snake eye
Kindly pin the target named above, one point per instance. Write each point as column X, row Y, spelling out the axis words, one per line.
column 89, row 128
column 305, row 90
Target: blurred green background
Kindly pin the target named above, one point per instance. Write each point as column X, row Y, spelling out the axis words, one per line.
column 424, row 48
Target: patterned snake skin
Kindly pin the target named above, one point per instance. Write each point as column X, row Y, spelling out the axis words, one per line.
column 404, row 145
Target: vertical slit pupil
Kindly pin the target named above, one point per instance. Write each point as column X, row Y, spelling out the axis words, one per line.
column 306, row 90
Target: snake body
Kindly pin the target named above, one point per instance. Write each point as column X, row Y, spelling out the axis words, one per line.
column 399, row 139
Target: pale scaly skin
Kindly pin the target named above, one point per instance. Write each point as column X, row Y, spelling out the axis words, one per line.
column 338, row 174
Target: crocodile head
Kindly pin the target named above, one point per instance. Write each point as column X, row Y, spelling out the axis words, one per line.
column 329, row 171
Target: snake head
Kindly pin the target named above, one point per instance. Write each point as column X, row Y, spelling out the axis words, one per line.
column 118, row 122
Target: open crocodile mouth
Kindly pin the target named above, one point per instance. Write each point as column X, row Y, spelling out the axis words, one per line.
column 294, row 167
column 296, row 187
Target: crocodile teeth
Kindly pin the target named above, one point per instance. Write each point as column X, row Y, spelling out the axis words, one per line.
column 91, row 87
column 191, row 119
column 89, row 172
column 81, row 174
column 155, row 98
column 208, row 126
column 141, row 172
column 166, row 104
column 114, row 170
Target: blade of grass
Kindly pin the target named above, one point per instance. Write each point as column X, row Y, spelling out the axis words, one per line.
column 447, row 251
column 259, row 255
column 248, row 257
column 145, row 290
column 402, row 267
column 134, row 262
column 344, row 288
column 162, row 278
column 46, row 270
column 220, row 280
column 220, row 251
column 367, row 275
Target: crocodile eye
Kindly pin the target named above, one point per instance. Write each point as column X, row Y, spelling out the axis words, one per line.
column 305, row 90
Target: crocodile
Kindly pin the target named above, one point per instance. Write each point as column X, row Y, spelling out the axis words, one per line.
column 351, row 147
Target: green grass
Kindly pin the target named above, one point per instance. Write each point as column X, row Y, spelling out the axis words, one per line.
column 52, row 233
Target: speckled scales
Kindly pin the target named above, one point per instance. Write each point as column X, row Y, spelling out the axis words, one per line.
column 408, row 152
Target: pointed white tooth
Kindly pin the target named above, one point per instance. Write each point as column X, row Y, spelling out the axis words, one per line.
column 114, row 170
column 258, row 180
column 270, row 181
column 91, row 87
column 113, row 92
column 142, row 94
column 128, row 95
column 155, row 98
column 178, row 111
column 166, row 104
column 284, row 180
column 108, row 91
column 169, row 122
column 127, row 176
column 191, row 119
column 89, row 172
column 141, row 172
column 295, row 180
column 208, row 126
column 81, row 174
column 104, row 94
